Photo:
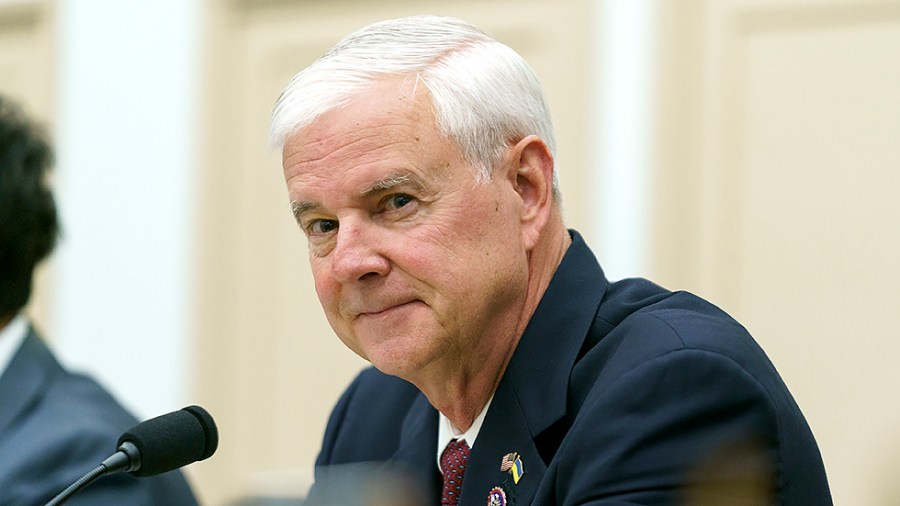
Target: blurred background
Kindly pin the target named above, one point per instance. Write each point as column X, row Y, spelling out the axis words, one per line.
column 745, row 150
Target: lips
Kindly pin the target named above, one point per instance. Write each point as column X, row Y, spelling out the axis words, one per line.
column 382, row 309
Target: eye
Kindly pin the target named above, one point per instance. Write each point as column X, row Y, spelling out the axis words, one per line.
column 397, row 201
column 321, row 227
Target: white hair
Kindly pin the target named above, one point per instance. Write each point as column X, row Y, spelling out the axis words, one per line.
column 485, row 96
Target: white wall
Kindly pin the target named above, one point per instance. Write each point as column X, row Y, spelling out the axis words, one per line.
column 624, row 44
column 126, row 94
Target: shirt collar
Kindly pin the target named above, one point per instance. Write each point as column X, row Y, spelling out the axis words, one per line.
column 447, row 432
column 11, row 338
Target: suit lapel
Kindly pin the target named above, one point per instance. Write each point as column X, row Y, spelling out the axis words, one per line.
column 416, row 455
column 25, row 379
column 505, row 430
column 532, row 395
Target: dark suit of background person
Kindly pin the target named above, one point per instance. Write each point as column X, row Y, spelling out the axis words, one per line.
column 55, row 426
column 618, row 393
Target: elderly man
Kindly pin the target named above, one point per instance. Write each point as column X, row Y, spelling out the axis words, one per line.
column 55, row 426
column 419, row 160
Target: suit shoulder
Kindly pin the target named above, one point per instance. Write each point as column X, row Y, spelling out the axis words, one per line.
column 640, row 322
column 638, row 311
column 366, row 422
column 70, row 427
column 87, row 406
column 373, row 379
column 376, row 393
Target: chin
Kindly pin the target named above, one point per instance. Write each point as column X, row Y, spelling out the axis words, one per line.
column 395, row 367
column 402, row 361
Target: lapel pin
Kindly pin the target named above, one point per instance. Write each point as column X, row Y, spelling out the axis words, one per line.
column 497, row 497
column 512, row 464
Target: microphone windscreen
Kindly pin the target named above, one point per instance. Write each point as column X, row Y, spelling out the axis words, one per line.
column 173, row 440
column 210, row 432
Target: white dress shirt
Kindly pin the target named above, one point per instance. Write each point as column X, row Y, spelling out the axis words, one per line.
column 447, row 432
column 11, row 338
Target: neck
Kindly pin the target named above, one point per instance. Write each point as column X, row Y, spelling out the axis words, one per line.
column 461, row 394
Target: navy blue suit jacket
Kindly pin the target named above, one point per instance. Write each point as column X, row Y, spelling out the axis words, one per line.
column 618, row 393
column 55, row 427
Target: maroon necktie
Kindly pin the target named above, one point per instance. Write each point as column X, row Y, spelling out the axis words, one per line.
column 453, row 465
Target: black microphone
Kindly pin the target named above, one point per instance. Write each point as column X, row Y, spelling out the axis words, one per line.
column 156, row 446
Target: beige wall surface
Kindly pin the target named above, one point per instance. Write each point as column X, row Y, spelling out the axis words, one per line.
column 776, row 191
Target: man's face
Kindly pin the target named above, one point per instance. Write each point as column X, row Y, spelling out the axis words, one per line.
column 420, row 269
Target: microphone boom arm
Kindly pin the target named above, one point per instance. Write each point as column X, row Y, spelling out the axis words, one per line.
column 126, row 459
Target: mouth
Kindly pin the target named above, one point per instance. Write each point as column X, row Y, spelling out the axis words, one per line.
column 384, row 311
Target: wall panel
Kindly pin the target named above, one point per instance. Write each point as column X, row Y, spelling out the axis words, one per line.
column 788, row 169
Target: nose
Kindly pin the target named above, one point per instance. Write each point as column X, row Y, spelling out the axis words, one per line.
column 357, row 255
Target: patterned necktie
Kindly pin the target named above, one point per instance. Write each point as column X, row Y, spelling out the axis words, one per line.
column 453, row 465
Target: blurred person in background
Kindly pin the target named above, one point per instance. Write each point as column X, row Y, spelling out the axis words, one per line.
column 419, row 160
column 55, row 426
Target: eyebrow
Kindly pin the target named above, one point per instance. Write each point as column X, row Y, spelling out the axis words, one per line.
column 391, row 182
column 301, row 207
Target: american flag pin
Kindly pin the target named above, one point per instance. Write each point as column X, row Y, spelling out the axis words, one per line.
column 512, row 463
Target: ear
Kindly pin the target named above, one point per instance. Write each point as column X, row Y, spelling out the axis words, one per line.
column 531, row 170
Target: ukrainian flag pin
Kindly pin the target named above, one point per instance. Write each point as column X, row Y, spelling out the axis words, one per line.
column 512, row 464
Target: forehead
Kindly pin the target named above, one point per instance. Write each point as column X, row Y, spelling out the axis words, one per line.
column 346, row 156
column 392, row 115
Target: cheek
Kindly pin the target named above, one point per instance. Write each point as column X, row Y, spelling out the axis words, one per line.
column 326, row 287
column 431, row 254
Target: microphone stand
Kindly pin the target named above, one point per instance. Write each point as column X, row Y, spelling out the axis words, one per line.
column 126, row 459
column 78, row 485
